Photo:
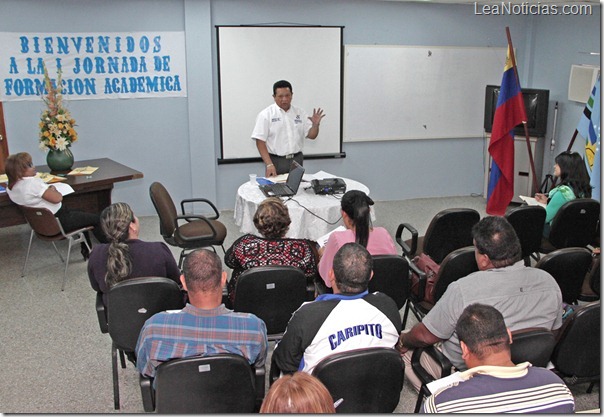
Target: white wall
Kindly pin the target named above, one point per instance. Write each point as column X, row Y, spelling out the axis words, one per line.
column 177, row 141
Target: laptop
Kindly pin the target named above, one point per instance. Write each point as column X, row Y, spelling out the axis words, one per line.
column 290, row 188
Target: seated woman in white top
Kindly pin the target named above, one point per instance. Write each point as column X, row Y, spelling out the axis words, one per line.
column 356, row 217
column 25, row 189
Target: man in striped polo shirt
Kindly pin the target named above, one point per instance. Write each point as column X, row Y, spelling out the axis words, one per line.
column 205, row 326
column 493, row 383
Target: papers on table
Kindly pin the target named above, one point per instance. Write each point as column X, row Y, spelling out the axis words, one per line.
column 48, row 178
column 531, row 201
column 63, row 188
column 322, row 241
column 83, row 171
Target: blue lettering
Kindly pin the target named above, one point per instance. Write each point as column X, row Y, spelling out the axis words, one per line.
column 24, row 44
column 332, row 341
column 89, row 44
column 12, row 69
column 129, row 44
column 144, row 44
column 104, row 44
column 161, row 63
column 156, row 42
column 33, row 68
column 62, row 45
column 48, row 45
column 348, row 332
column 77, row 43
column 378, row 330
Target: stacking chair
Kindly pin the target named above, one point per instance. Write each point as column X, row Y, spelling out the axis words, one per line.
column 224, row 383
column 391, row 277
column 528, row 222
column 574, row 225
column 450, row 229
column 272, row 293
column 129, row 304
column 576, row 357
column 533, row 345
column 48, row 228
column 187, row 231
column 568, row 266
column 591, row 284
column 367, row 380
column 456, row 265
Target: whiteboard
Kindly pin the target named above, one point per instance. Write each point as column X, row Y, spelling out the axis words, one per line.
column 417, row 92
column 252, row 58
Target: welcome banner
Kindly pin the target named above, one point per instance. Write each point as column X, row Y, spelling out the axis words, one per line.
column 93, row 65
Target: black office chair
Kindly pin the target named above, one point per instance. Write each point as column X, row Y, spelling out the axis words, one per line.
column 574, row 225
column 367, row 380
column 129, row 304
column 187, row 231
column 224, row 383
column 458, row 264
column 272, row 293
column 533, row 345
column 391, row 277
column 590, row 290
column 568, row 266
column 576, row 357
column 450, row 229
column 528, row 222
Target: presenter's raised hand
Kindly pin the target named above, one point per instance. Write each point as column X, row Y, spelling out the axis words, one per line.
column 317, row 115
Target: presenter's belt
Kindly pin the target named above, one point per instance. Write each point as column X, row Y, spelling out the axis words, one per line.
column 288, row 156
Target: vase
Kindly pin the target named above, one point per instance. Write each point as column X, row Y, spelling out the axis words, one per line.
column 59, row 160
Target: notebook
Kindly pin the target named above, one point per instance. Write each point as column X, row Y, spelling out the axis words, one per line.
column 296, row 171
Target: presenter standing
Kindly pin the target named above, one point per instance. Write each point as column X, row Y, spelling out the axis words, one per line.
column 281, row 128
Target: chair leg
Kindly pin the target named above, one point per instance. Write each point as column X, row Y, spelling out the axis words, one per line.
column 406, row 314
column 591, row 387
column 31, row 237
column 57, row 251
column 122, row 359
column 66, row 264
column 116, row 385
column 420, row 400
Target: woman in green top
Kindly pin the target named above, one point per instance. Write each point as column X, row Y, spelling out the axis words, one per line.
column 574, row 183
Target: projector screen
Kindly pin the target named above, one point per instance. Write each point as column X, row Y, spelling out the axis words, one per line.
column 252, row 58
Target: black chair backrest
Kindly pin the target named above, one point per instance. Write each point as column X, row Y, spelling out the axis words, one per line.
column 568, row 266
column 212, row 384
column 272, row 293
column 575, row 224
column 594, row 276
column 368, row 380
column 131, row 302
column 391, row 277
column 456, row 265
column 533, row 345
column 577, row 352
column 528, row 222
column 42, row 221
column 450, row 229
column 166, row 210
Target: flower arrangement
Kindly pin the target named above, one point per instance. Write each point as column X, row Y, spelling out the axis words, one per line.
column 56, row 125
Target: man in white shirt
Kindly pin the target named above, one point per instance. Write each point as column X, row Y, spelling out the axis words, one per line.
column 281, row 128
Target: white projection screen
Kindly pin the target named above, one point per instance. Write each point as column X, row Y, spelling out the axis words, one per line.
column 252, row 58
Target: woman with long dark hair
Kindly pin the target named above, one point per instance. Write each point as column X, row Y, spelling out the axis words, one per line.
column 126, row 256
column 356, row 216
column 574, row 183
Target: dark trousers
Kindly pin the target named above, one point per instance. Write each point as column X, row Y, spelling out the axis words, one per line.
column 75, row 219
column 282, row 164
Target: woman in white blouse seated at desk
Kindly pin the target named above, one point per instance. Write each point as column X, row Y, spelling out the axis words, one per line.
column 25, row 189
column 356, row 217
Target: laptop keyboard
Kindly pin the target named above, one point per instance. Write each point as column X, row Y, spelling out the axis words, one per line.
column 280, row 189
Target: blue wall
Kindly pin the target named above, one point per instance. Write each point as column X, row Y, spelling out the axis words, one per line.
column 177, row 141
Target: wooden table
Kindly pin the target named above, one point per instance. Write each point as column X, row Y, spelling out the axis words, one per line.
column 92, row 193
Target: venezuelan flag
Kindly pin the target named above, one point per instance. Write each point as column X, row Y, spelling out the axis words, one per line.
column 509, row 113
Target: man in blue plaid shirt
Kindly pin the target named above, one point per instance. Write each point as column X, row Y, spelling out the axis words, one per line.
column 205, row 326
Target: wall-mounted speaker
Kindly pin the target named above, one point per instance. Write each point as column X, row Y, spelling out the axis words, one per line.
column 581, row 81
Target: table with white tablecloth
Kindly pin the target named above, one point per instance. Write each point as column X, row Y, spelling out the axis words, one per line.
column 312, row 215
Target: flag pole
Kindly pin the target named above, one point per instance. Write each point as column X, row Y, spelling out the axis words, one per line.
column 526, row 133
